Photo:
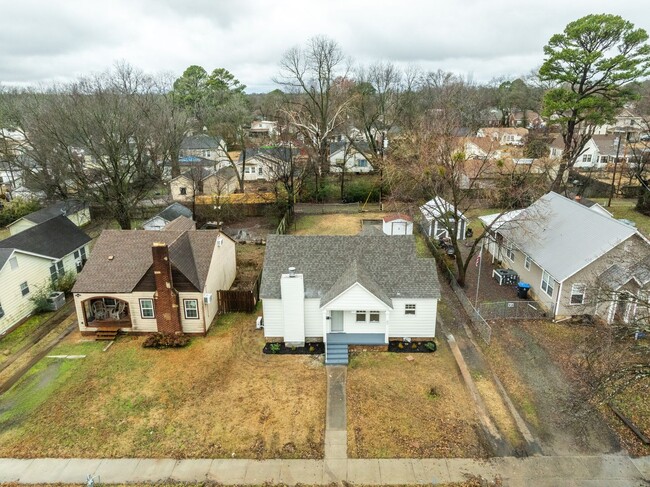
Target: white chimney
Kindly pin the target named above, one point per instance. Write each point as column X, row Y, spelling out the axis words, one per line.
column 292, row 290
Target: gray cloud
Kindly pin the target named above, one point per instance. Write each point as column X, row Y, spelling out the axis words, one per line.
column 59, row 40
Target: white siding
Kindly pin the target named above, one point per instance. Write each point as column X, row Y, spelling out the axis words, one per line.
column 313, row 318
column 273, row 318
column 422, row 324
column 221, row 275
column 192, row 325
column 356, row 297
column 350, row 324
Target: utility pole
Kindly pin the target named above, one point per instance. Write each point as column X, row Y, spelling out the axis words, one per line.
column 618, row 148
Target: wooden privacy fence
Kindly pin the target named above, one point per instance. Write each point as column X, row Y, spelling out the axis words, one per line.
column 237, row 301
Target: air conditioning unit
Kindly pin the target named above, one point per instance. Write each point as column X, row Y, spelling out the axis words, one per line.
column 207, row 298
column 259, row 323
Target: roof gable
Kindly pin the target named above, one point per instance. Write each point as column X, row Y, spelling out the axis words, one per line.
column 67, row 207
column 54, row 238
column 356, row 276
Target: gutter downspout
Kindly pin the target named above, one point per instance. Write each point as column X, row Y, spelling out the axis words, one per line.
column 557, row 302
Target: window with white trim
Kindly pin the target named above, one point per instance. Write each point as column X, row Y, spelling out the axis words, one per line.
column 146, row 308
column 13, row 263
column 191, row 308
column 361, row 316
column 547, row 283
column 586, row 157
column 409, row 309
column 578, row 293
column 57, row 270
column 510, row 252
column 373, row 316
column 527, row 262
column 24, row 288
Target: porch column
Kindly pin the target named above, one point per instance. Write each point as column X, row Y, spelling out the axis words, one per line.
column 324, row 326
column 387, row 323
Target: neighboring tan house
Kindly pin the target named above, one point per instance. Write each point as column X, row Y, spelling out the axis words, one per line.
column 438, row 216
column 32, row 259
column 263, row 129
column 504, row 135
column 204, row 146
column 145, row 282
column 172, row 212
column 266, row 163
column 561, row 247
column 347, row 290
column 201, row 181
column 481, row 148
column 343, row 154
column 76, row 211
column 627, row 119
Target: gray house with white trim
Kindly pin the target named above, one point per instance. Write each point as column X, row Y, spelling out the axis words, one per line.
column 562, row 249
column 347, row 290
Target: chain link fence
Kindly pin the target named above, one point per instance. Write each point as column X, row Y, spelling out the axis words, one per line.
column 512, row 310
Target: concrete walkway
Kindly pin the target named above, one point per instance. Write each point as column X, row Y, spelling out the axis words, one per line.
column 336, row 434
column 607, row 470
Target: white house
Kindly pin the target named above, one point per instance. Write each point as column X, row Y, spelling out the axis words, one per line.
column 263, row 128
column 562, row 248
column 32, row 259
column 347, row 290
column 597, row 153
column 169, row 214
column 345, row 155
column 439, row 217
column 76, row 211
column 146, row 282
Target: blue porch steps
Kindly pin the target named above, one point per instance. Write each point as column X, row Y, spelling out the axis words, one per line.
column 336, row 354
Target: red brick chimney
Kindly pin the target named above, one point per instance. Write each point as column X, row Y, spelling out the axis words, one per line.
column 166, row 298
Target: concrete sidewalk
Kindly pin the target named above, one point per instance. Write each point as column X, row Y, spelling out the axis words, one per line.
column 336, row 434
column 606, row 470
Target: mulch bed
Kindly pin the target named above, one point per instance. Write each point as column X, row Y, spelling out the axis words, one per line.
column 310, row 348
column 411, row 347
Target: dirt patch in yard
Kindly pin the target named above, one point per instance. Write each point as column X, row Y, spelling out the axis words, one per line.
column 406, row 409
column 219, row 397
column 542, row 387
column 250, row 260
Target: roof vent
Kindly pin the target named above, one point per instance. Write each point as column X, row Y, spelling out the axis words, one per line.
column 110, row 257
column 292, row 272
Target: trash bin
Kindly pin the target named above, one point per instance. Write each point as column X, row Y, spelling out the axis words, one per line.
column 522, row 290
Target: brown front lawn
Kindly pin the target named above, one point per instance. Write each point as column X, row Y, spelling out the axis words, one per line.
column 402, row 409
column 218, row 398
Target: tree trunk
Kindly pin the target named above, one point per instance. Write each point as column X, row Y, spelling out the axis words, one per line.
column 558, row 182
column 342, row 181
column 176, row 167
column 243, row 170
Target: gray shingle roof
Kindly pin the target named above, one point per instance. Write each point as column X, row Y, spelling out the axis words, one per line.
column 181, row 224
column 190, row 252
column 620, row 274
column 388, row 265
column 175, row 210
column 4, row 256
column 66, row 207
column 562, row 236
column 55, row 238
column 201, row 141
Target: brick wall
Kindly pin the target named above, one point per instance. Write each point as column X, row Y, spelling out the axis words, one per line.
column 166, row 301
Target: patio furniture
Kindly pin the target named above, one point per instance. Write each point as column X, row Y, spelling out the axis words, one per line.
column 119, row 311
column 99, row 310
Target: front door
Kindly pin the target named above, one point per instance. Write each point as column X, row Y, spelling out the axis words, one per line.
column 337, row 322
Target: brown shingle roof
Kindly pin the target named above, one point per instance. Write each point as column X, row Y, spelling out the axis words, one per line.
column 181, row 224
column 190, row 252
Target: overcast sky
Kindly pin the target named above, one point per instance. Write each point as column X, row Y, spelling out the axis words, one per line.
column 57, row 40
